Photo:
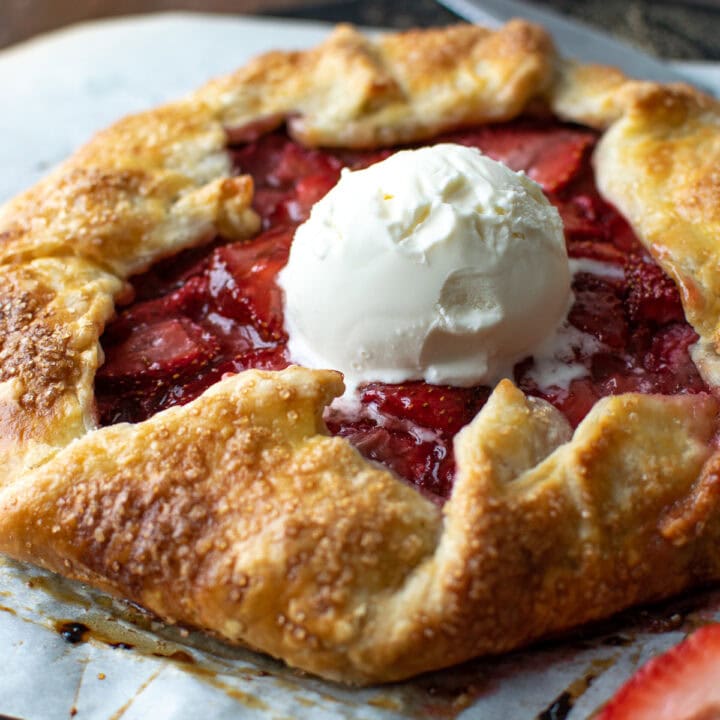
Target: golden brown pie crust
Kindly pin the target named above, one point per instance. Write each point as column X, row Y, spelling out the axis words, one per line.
column 237, row 513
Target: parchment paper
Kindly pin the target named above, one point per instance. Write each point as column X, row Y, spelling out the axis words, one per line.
column 68, row 651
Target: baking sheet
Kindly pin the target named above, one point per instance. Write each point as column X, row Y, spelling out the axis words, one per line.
column 69, row 651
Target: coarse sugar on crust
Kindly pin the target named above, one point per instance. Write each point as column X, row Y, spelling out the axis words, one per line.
column 237, row 512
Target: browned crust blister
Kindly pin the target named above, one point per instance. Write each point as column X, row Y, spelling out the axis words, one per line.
column 237, row 513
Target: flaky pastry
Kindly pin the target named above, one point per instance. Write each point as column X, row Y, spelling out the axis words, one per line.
column 238, row 513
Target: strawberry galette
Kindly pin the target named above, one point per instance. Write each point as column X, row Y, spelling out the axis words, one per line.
column 167, row 434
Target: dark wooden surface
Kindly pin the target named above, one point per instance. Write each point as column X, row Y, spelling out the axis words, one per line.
column 689, row 29
column 21, row 19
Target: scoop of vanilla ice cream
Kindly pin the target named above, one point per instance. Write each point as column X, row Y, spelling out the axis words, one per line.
column 437, row 264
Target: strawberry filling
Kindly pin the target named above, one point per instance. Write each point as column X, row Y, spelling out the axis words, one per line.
column 218, row 309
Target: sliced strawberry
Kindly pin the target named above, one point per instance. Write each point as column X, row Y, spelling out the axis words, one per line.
column 167, row 348
column 261, row 159
column 618, row 230
column 173, row 273
column 577, row 401
column 187, row 301
column 669, row 362
column 359, row 159
column 235, row 338
column 439, row 407
column 184, row 301
column 596, row 250
column 613, row 374
column 681, row 684
column 598, row 309
column 188, row 388
column 651, row 294
column 274, row 358
column 191, row 298
column 274, row 161
column 283, row 207
column 429, row 465
column 670, row 347
column 605, row 366
column 243, row 281
column 582, row 217
column 267, row 202
column 550, row 157
column 307, row 192
column 297, row 162
column 131, row 406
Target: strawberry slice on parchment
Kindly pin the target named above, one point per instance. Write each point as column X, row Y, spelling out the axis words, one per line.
column 681, row 684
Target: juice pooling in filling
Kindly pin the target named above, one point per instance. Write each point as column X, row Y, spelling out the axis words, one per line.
column 218, row 309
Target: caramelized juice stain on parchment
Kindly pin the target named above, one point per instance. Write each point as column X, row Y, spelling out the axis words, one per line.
column 61, row 591
column 562, row 705
column 245, row 698
column 114, row 633
column 88, row 616
column 124, row 708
